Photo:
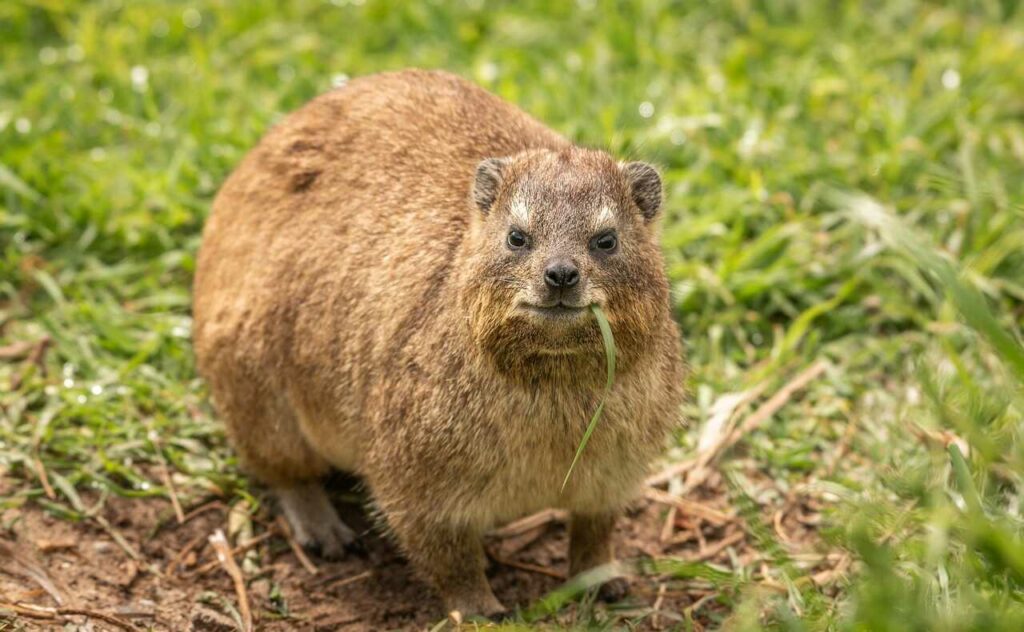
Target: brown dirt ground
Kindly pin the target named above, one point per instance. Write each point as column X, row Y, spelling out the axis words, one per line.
column 43, row 558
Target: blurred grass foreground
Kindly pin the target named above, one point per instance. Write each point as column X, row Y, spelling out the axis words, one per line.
column 844, row 186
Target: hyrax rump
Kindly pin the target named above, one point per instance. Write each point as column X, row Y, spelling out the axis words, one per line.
column 396, row 282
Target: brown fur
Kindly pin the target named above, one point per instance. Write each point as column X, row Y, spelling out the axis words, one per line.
column 357, row 307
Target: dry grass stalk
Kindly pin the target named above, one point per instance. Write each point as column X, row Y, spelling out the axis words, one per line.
column 286, row 531
column 521, row 526
column 49, row 614
column 238, row 550
column 224, row 556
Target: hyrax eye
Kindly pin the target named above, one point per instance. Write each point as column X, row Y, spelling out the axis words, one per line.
column 605, row 242
column 516, row 240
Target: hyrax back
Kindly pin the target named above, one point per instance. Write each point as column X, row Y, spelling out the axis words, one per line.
column 396, row 282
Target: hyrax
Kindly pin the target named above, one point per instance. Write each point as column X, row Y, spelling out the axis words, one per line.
column 396, row 282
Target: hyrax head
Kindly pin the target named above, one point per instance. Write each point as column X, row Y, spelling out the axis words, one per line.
column 557, row 232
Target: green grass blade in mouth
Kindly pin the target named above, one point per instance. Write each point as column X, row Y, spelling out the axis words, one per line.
column 609, row 352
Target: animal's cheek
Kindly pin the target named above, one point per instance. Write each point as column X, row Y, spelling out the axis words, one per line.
column 596, row 294
column 507, row 269
column 611, row 276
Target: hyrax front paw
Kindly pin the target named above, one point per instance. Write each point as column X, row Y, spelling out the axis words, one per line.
column 481, row 606
column 314, row 522
column 327, row 540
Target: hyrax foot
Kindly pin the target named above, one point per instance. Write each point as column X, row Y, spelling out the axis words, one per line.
column 590, row 546
column 484, row 605
column 314, row 522
column 613, row 590
column 452, row 558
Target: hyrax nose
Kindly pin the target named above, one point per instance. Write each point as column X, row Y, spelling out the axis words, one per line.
column 561, row 273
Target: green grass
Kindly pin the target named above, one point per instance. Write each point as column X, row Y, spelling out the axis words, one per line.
column 609, row 352
column 844, row 182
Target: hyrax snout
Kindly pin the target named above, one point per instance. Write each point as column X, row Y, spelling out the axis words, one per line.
column 397, row 282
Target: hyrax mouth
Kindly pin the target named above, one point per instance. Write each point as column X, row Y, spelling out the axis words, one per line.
column 557, row 311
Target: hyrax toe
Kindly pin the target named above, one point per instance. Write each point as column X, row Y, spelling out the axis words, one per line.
column 314, row 522
column 330, row 540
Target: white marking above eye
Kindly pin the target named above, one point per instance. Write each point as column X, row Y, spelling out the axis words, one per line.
column 520, row 212
column 605, row 216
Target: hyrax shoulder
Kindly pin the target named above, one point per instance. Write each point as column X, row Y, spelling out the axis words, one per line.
column 397, row 281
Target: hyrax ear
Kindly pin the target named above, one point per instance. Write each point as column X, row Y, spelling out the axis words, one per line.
column 644, row 186
column 489, row 175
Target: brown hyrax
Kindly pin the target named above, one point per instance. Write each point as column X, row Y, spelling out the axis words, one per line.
column 397, row 281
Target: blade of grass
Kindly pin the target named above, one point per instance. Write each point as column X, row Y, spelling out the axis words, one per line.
column 963, row 479
column 609, row 352
column 572, row 589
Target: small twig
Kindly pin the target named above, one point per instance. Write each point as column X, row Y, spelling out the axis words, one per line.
column 118, row 538
column 695, row 606
column 41, row 612
column 690, row 507
column 129, row 612
column 214, row 504
column 16, row 350
column 699, row 471
column 286, row 531
column 183, row 553
column 338, row 582
column 827, row 576
column 672, row 471
column 702, row 542
column 942, row 438
column 714, row 434
column 821, row 578
column 94, row 614
column 669, row 525
column 165, row 473
column 39, row 352
column 779, row 530
column 533, row 568
column 35, row 612
column 524, row 541
column 44, row 480
column 46, row 545
column 778, row 400
column 656, row 617
column 706, row 554
column 171, row 491
column 682, row 537
column 238, row 550
column 521, row 526
column 227, row 560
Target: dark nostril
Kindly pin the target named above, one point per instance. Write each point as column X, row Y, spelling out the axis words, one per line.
column 552, row 277
column 561, row 274
column 571, row 277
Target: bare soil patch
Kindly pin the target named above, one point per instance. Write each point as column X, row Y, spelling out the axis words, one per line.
column 52, row 569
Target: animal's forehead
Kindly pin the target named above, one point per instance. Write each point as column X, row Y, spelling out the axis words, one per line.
column 561, row 176
column 570, row 195
column 566, row 197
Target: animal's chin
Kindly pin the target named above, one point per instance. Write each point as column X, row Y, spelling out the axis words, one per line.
column 557, row 329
